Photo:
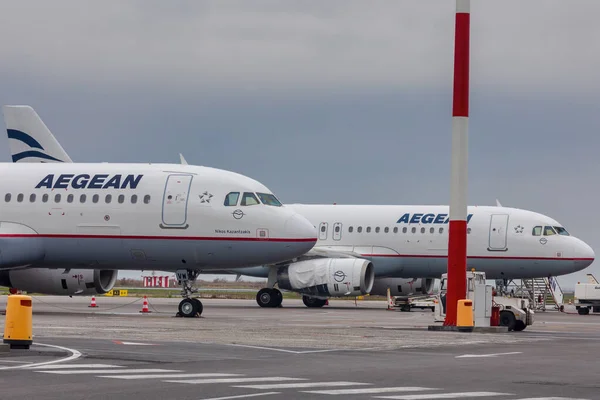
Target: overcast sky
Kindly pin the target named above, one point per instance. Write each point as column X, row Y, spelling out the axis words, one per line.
column 323, row 101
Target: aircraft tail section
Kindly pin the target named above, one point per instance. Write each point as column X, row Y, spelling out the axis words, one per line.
column 29, row 138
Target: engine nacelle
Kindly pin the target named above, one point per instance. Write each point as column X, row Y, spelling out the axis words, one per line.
column 60, row 281
column 328, row 277
column 403, row 287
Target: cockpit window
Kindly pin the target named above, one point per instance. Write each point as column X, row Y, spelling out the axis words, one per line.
column 249, row 199
column 537, row 231
column 561, row 231
column 269, row 199
column 548, row 231
column 231, row 199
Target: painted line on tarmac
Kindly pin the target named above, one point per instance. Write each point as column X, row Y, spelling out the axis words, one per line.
column 488, row 355
column 281, row 350
column 242, row 396
column 74, row 355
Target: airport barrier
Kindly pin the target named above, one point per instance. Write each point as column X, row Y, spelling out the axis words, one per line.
column 18, row 322
column 464, row 318
column 117, row 293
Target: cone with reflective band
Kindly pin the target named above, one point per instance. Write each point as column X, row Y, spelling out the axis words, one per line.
column 93, row 303
column 145, row 306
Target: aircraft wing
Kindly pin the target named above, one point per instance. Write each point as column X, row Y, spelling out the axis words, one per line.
column 326, row 251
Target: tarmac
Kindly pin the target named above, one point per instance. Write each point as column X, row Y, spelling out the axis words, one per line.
column 238, row 350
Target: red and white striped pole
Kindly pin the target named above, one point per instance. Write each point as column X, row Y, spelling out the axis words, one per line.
column 457, row 240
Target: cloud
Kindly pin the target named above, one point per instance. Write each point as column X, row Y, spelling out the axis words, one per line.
column 240, row 45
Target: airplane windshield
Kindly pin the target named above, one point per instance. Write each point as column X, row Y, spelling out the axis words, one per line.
column 269, row 199
column 561, row 231
column 548, row 231
column 249, row 199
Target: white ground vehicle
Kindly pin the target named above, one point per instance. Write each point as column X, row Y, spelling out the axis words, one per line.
column 515, row 312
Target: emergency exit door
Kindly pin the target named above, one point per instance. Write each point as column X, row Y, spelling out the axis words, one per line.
column 498, row 232
column 175, row 201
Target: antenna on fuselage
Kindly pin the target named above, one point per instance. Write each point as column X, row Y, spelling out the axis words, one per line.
column 182, row 160
column 498, row 203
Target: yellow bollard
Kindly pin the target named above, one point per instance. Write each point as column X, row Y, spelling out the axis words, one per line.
column 17, row 324
column 464, row 317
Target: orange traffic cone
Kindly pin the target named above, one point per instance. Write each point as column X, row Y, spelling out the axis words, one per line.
column 93, row 303
column 145, row 306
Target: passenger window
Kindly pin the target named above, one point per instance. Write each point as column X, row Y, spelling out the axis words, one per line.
column 386, row 230
column 377, row 230
column 7, row 197
column 121, row 198
column 45, row 198
column 414, row 229
column 20, row 197
column 441, row 230
column 350, row 229
column 108, row 198
column 337, row 229
column 70, row 198
column 468, row 230
column 133, row 198
column 537, row 231
column 32, row 197
column 231, row 199
column 323, row 228
column 548, row 231
column 95, row 198
column 368, row 229
column 404, row 230
column 359, row 229
column 147, row 199
column 249, row 199
column 395, row 229
column 431, row 230
column 57, row 198
column 423, row 230
column 82, row 198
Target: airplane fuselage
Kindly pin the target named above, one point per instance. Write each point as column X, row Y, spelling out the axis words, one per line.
column 412, row 241
column 141, row 216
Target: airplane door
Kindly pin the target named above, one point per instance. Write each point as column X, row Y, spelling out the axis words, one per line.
column 498, row 232
column 175, row 200
column 323, row 231
column 337, row 231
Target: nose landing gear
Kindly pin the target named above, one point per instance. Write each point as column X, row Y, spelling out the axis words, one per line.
column 188, row 307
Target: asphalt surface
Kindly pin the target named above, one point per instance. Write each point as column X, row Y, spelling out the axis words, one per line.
column 239, row 350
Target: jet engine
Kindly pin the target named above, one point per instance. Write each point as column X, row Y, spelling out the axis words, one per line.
column 328, row 277
column 403, row 287
column 60, row 281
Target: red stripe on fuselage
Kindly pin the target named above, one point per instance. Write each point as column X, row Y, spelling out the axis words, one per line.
column 478, row 257
column 139, row 237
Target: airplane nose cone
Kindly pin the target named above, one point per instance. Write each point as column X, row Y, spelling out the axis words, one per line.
column 298, row 227
column 584, row 255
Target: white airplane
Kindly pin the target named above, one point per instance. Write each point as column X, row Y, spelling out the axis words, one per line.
column 104, row 217
column 404, row 248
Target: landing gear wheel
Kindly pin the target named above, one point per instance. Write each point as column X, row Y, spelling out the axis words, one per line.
column 188, row 307
column 270, row 298
column 278, row 297
column 199, row 305
column 507, row 319
column 313, row 302
column 519, row 326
